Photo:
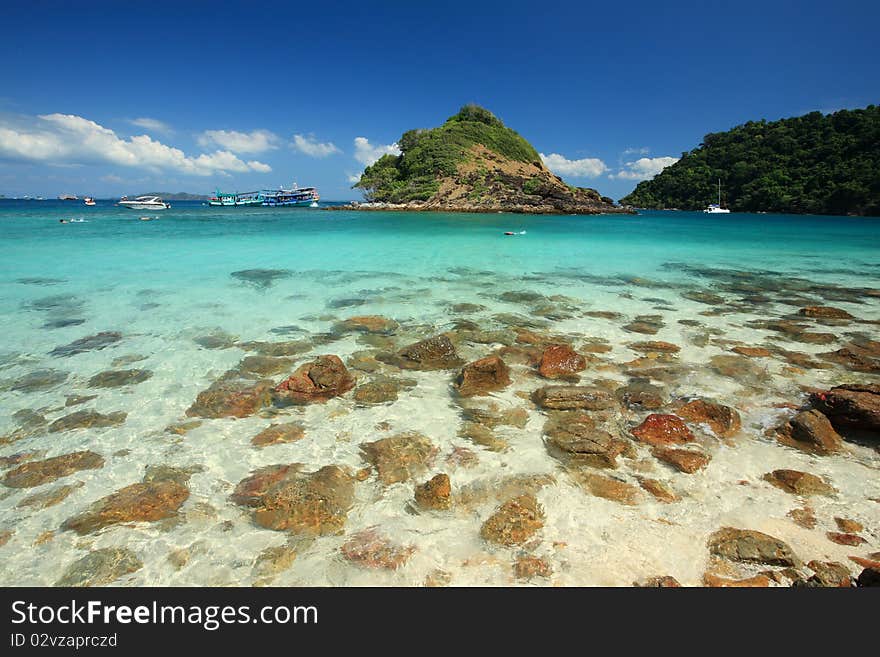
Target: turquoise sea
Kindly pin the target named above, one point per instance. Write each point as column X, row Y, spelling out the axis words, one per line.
column 188, row 292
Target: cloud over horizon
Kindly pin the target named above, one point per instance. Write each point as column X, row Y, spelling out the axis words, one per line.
column 256, row 141
column 644, row 168
column 312, row 147
column 590, row 167
column 154, row 125
column 367, row 153
column 67, row 139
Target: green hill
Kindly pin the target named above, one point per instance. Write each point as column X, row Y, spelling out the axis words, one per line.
column 816, row 163
column 473, row 163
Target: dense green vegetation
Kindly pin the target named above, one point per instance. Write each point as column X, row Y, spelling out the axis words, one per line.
column 821, row 164
column 428, row 155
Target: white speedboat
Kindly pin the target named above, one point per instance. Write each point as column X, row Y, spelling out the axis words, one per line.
column 715, row 208
column 144, row 203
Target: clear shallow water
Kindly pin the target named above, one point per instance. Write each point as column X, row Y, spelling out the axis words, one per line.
column 165, row 283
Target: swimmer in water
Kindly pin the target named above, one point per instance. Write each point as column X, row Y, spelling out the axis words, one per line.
column 62, row 221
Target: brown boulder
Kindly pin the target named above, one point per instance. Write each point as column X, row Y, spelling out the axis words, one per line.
column 527, row 567
column 279, row 433
column 811, row 432
column 752, row 352
column 752, row 546
column 655, row 347
column 86, row 420
column 400, row 457
column 514, row 522
column 660, row 582
column 641, row 393
column 606, row 487
column 141, row 502
column 799, row 483
column 437, row 353
column 560, row 360
column 482, row 377
column 100, row 567
column 824, row 312
column 848, row 525
column 723, row 420
column 375, row 324
column 36, row 473
column 231, row 396
column 575, row 434
column 573, row 397
column 851, row 540
column 851, row 406
column 370, row 549
column 435, row 494
column 714, row 581
column 683, row 460
column 285, row 499
column 658, row 489
column 658, row 430
column 828, row 574
column 322, row 379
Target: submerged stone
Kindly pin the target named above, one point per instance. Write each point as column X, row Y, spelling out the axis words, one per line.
column 380, row 391
column 723, row 420
column 683, row 460
column 261, row 278
column 811, row 432
column 38, row 380
column 36, row 473
column 89, row 343
column 371, row 549
column 573, row 397
column 141, row 502
column 279, row 433
column 265, row 365
column 824, row 312
column 100, row 567
column 322, row 379
column 641, row 393
column 50, row 497
column 660, row 430
column 514, row 522
column 575, row 435
column 117, row 378
column 87, row 419
column 799, row 483
column 231, row 396
column 752, row 546
column 400, row 457
column 216, row 340
column 607, row 488
column 435, row 494
column 368, row 324
column 482, row 377
column 437, row 353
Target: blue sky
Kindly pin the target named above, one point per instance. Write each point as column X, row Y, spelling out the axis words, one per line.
column 106, row 98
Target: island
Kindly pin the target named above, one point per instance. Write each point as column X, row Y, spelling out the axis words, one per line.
column 472, row 163
column 812, row 164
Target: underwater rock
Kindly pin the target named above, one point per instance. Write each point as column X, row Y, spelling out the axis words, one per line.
column 322, row 379
column 285, row 499
column 182, row 428
column 576, row 435
column 799, row 483
column 278, row 349
column 683, row 460
column 117, row 378
column 849, row 526
column 641, row 393
column 435, row 494
column 752, row 547
column 828, row 574
column 658, row 489
column 371, row 549
column 723, row 420
column 20, row 457
column 265, row 365
column 261, row 278
column 274, row 560
column 400, row 457
column 855, row 359
column 752, row 352
column 95, row 342
column 87, row 419
column 37, row 473
column 527, row 567
column 573, row 397
column 647, row 324
column 279, row 433
column 560, row 360
column 824, row 312
column 379, row 391
column 660, row 582
column 368, row 324
column 50, row 497
column 231, row 396
column 851, row 406
column 607, row 488
column 216, row 340
column 482, row 377
column 803, row 517
column 141, row 502
column 181, row 476
column 437, row 353
column 740, row 368
column 660, row 430
column 100, row 567
column 714, row 581
column 482, row 435
column 851, row 540
column 38, row 380
column 76, row 400
column 514, row 522
column 811, row 432
column 654, row 346
column 702, row 296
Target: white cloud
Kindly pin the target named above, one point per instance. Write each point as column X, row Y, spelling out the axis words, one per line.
column 367, row 153
column 153, row 125
column 644, row 150
column 69, row 139
column 256, row 141
column 589, row 167
column 259, row 167
column 353, row 177
column 310, row 146
column 644, row 168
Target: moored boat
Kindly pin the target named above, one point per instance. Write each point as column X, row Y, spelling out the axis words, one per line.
column 88, row 200
column 295, row 196
column 143, row 203
column 68, row 197
column 715, row 208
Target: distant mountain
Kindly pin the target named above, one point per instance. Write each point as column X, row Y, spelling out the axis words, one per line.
column 174, row 196
column 816, row 164
column 473, row 163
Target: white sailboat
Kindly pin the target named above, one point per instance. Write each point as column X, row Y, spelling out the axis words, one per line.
column 715, row 208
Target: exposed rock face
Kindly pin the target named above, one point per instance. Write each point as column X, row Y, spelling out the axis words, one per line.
column 799, row 483
column 435, row 494
column 723, row 420
column 375, row 324
column 322, row 379
column 811, row 432
column 660, row 430
column 279, row 433
column 851, row 406
column 560, row 360
column 573, row 397
column 232, row 396
column 482, row 377
column 285, row 499
column 683, row 460
column 141, row 502
column 401, row 457
column 36, row 473
column 752, row 546
column 824, row 312
column 514, row 522
column 87, row 419
column 575, row 434
column 370, row 549
column 437, row 353
column 100, row 567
